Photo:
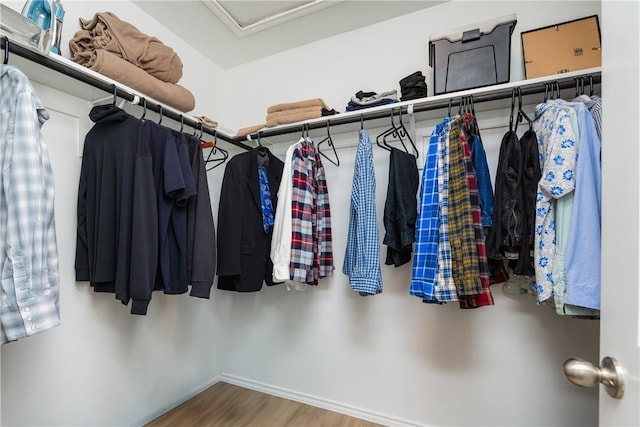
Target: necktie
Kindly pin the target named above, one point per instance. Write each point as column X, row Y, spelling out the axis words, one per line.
column 265, row 199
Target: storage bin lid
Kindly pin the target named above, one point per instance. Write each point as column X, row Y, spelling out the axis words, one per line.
column 483, row 27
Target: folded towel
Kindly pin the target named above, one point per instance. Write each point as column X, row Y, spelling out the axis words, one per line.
column 297, row 111
column 316, row 102
column 295, row 116
column 118, row 69
column 249, row 130
column 108, row 32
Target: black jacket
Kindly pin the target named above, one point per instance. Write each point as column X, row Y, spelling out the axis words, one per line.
column 401, row 207
column 244, row 260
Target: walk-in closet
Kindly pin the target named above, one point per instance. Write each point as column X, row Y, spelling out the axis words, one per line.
column 388, row 353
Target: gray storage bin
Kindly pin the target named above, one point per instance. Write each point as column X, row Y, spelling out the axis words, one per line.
column 471, row 57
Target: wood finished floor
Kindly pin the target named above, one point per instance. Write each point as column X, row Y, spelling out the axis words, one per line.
column 225, row 404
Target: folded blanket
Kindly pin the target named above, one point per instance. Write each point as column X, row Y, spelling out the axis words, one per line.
column 118, row 69
column 316, row 102
column 297, row 111
column 106, row 31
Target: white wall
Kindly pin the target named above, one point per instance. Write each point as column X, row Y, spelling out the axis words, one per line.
column 103, row 366
column 390, row 354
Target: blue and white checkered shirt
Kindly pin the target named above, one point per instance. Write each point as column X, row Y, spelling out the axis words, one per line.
column 362, row 256
column 425, row 260
column 446, row 287
column 28, row 250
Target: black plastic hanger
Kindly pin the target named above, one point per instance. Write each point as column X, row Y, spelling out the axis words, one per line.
column 521, row 113
column 380, row 142
column 403, row 132
column 216, row 156
column 160, row 112
column 329, row 141
column 513, row 106
column 115, row 94
column 5, row 39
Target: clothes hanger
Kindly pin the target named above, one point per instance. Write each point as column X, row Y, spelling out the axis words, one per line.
column 329, row 141
column 115, row 94
column 449, row 109
column 403, row 132
column 160, row 112
column 590, row 85
column 5, row 39
column 379, row 139
column 181, row 122
column 513, row 106
column 144, row 111
column 579, row 86
column 521, row 112
column 394, row 132
column 212, row 162
column 361, row 122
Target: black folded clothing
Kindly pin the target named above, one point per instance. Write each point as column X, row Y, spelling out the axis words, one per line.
column 413, row 86
column 360, row 94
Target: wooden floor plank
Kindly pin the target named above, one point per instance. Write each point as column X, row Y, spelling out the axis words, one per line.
column 229, row 405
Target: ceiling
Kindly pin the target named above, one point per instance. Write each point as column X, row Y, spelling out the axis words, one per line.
column 233, row 32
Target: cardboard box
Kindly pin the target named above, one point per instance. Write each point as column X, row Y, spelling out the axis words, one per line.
column 561, row 48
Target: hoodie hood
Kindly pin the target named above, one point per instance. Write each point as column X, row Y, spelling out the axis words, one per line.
column 109, row 113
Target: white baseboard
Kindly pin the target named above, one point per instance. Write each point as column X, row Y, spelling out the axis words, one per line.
column 319, row 402
column 169, row 406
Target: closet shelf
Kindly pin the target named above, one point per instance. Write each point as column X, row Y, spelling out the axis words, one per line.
column 70, row 71
column 37, row 65
column 485, row 94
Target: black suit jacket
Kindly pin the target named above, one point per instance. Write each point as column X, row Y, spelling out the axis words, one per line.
column 243, row 247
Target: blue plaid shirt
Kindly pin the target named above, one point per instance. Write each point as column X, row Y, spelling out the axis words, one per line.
column 425, row 260
column 28, row 251
column 362, row 256
column 446, row 287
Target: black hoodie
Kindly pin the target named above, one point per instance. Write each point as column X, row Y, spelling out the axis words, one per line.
column 117, row 236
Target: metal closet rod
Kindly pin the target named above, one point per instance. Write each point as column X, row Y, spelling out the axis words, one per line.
column 45, row 61
column 421, row 106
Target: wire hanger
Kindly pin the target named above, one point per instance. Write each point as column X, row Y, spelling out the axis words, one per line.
column 5, row 39
column 361, row 122
column 329, row 141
